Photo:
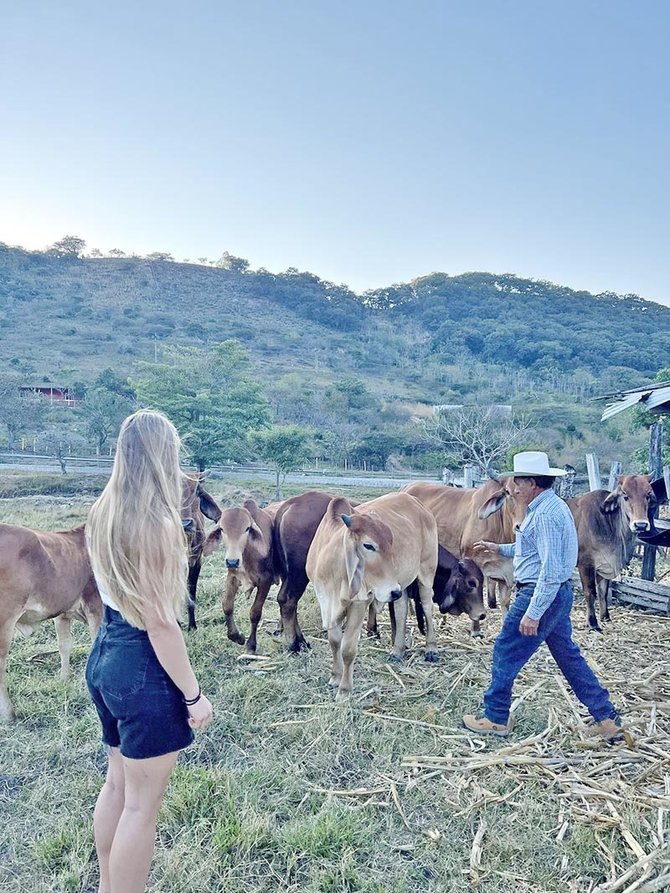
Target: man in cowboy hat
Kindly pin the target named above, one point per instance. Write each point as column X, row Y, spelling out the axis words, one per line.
column 545, row 555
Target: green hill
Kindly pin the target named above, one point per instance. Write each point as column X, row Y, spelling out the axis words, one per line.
column 472, row 338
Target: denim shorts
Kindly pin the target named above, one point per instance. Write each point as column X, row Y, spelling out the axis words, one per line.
column 141, row 710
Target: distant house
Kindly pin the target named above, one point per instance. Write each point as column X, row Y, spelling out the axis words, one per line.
column 52, row 393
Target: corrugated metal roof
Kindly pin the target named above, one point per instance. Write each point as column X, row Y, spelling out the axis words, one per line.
column 655, row 397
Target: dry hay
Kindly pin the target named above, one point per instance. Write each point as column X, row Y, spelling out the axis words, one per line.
column 622, row 788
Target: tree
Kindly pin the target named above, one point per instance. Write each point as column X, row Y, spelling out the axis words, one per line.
column 110, row 380
column 116, row 252
column 102, row 413
column 68, row 246
column 477, row 434
column 21, row 412
column 160, row 255
column 376, row 448
column 286, row 447
column 209, row 397
column 59, row 443
column 228, row 261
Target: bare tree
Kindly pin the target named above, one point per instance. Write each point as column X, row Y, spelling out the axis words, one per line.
column 481, row 435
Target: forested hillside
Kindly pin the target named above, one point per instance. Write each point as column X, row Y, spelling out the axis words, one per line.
column 360, row 367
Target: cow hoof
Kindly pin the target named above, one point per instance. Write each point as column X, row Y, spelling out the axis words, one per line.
column 595, row 628
column 373, row 634
column 394, row 659
column 606, row 619
column 298, row 645
column 431, row 657
column 250, row 649
column 238, row 638
column 342, row 696
column 191, row 627
column 476, row 634
column 334, row 683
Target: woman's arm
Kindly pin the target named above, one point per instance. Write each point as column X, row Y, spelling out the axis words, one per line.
column 168, row 643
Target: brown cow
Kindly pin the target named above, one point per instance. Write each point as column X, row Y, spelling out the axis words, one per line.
column 246, row 535
column 43, row 575
column 296, row 521
column 465, row 516
column 197, row 505
column 606, row 527
column 370, row 553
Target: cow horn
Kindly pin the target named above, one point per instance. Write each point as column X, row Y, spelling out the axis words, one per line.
column 491, row 473
column 346, row 519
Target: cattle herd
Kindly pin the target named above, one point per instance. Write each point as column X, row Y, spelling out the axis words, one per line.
column 410, row 546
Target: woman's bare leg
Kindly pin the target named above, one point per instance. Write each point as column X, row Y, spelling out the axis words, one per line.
column 107, row 812
column 133, row 844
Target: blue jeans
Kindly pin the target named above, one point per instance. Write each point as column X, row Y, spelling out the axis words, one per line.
column 512, row 651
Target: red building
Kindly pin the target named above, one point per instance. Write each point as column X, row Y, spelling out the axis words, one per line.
column 52, row 393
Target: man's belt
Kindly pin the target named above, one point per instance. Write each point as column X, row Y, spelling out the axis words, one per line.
column 520, row 585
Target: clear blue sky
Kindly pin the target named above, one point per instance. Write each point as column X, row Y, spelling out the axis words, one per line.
column 368, row 142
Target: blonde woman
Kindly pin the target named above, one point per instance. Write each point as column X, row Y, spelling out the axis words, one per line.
column 138, row 673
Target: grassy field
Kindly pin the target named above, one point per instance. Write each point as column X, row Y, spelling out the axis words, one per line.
column 388, row 794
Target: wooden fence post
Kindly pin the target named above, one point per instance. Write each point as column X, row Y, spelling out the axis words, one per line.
column 656, row 471
column 468, row 475
column 615, row 471
column 593, row 470
column 565, row 486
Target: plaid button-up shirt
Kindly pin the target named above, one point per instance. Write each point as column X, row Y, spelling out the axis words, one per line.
column 545, row 551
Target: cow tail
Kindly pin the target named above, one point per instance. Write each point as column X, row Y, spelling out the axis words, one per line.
column 279, row 557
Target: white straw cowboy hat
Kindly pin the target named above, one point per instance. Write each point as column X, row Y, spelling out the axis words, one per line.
column 533, row 464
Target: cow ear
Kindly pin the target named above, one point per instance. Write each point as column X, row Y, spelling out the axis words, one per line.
column 347, row 520
column 260, row 540
column 492, row 505
column 207, row 505
column 611, row 502
column 255, row 531
column 212, row 542
column 448, row 601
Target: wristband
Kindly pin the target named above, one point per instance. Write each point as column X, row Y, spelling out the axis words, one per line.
column 191, row 701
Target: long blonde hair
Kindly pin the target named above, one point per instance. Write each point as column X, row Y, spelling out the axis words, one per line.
column 136, row 539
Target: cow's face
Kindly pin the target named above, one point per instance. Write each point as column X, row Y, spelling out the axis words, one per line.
column 463, row 592
column 369, row 557
column 636, row 497
column 236, row 532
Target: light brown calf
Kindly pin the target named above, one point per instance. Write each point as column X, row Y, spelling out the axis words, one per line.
column 369, row 555
column 43, row 575
column 246, row 536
